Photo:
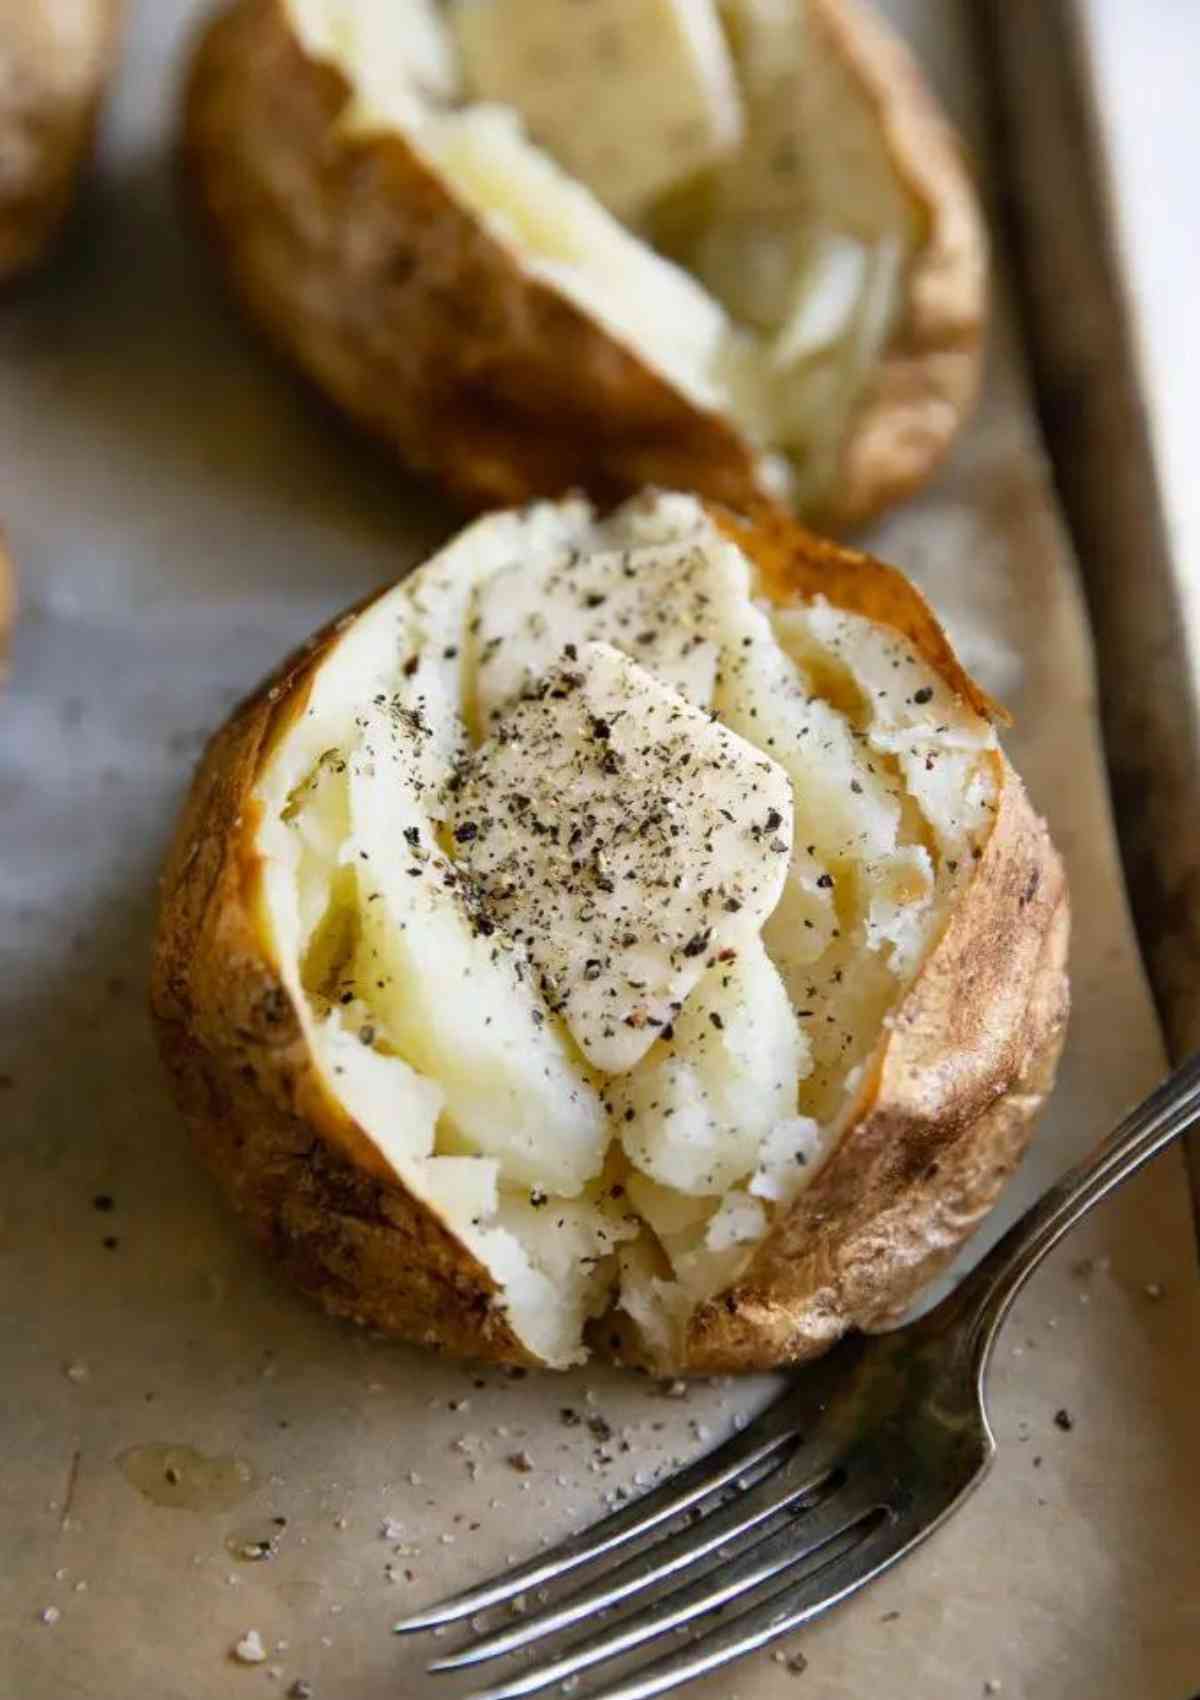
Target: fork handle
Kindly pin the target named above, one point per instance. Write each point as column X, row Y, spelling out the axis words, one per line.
column 989, row 1290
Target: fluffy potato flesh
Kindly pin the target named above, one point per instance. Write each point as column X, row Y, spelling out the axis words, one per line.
column 594, row 943
column 745, row 231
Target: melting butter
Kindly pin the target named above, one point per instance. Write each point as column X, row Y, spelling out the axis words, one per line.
column 188, row 1480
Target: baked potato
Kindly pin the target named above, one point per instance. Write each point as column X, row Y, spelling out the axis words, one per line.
column 625, row 932
column 55, row 57
column 774, row 283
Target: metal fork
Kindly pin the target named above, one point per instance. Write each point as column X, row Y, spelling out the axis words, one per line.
column 864, row 1456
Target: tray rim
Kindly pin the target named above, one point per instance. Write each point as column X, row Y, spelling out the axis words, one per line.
column 1094, row 407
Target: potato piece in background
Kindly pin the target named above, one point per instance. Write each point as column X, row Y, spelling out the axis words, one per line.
column 800, row 319
column 55, row 56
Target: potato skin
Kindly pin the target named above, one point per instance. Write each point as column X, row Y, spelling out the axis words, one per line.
column 54, row 61
column 365, row 273
column 943, row 1116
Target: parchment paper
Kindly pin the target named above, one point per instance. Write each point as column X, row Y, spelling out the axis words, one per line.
column 182, row 515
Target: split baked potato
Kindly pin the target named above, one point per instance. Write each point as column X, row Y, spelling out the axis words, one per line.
column 726, row 245
column 623, row 932
column 55, row 57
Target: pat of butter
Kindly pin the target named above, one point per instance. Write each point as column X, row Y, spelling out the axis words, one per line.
column 630, row 96
column 626, row 840
column 668, row 606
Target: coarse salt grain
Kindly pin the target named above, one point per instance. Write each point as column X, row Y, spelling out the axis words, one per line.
column 250, row 1650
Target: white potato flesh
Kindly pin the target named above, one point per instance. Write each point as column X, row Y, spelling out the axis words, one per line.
column 847, row 805
column 822, row 301
column 741, row 148
column 695, row 1111
column 785, row 1157
column 560, row 234
column 658, row 73
column 626, row 839
column 392, row 1103
column 395, row 54
column 908, row 703
column 668, row 1211
column 462, row 1010
column 602, row 1074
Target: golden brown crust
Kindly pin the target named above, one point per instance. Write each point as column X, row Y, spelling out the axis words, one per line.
column 927, row 381
column 362, row 269
column 942, row 1118
column 54, row 62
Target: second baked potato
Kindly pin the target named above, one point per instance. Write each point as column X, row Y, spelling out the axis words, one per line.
column 791, row 305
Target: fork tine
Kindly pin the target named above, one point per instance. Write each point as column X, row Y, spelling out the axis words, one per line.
column 782, row 1613
column 767, row 1434
column 721, row 1583
column 798, row 1479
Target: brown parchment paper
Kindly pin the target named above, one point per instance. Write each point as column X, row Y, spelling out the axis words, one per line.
column 182, row 514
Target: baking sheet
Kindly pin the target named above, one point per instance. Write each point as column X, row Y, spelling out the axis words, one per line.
column 1099, row 132
column 181, row 515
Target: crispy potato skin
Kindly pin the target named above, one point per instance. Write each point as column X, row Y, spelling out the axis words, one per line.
column 941, row 1121
column 54, row 61
column 363, row 270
